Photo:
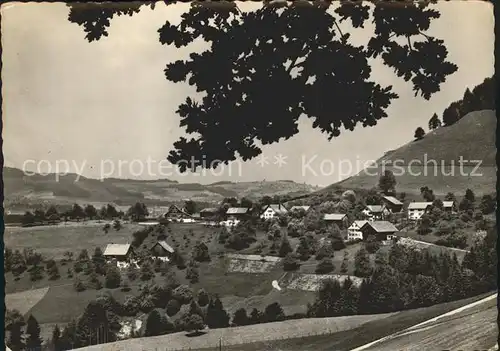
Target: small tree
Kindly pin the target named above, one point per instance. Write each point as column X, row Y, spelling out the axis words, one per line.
column 153, row 323
column 113, row 278
column 387, row 183
column 173, row 306
column 325, row 266
column 33, row 340
column 345, row 263
column 36, row 273
column 434, row 122
column 132, row 272
column 240, row 317
column 469, row 195
column 362, row 265
column 200, row 253
column 194, row 323
column 192, row 275
column 146, row 271
column 53, row 272
column 274, row 312
column 14, row 322
column 290, row 262
column 56, row 338
column 117, row 225
column 203, row 298
column 285, row 247
column 419, row 133
column 256, row 316
column 78, row 285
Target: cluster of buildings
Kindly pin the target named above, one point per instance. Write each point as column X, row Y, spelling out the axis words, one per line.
column 375, row 225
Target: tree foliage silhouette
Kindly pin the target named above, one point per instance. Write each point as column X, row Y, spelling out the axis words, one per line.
column 267, row 67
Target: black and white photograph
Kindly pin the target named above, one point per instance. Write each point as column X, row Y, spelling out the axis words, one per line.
column 249, row 176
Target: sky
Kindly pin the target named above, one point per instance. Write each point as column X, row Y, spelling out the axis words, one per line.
column 105, row 109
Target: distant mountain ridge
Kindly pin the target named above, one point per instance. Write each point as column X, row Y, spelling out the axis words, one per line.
column 20, row 188
column 471, row 138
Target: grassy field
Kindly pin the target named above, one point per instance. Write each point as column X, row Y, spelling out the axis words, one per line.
column 349, row 339
column 24, row 301
column 242, row 335
column 443, row 145
column 53, row 241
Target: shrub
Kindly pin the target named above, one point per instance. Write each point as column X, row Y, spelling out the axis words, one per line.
column 325, row 266
column 113, row 278
column 173, row 306
column 78, row 285
column 192, row 275
column 291, row 263
column 183, row 294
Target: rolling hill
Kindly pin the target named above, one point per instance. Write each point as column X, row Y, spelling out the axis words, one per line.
column 472, row 138
column 22, row 190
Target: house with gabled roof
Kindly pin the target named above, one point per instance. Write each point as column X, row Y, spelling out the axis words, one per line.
column 272, row 211
column 236, row 214
column 449, row 206
column 339, row 219
column 417, row 209
column 381, row 230
column 392, row 204
column 376, row 212
column 354, row 231
column 209, row 212
column 119, row 252
column 161, row 249
column 174, row 212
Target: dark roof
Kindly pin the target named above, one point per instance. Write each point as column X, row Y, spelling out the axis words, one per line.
column 164, row 245
column 393, row 200
column 381, row 226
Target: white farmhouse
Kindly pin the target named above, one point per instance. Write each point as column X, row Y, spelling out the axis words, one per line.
column 272, row 211
column 354, row 231
column 417, row 209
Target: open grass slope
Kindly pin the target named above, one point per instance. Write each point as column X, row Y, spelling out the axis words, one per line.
column 67, row 189
column 242, row 335
column 472, row 138
column 397, row 322
column 24, row 301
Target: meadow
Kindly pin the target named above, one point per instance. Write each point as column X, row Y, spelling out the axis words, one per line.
column 54, row 240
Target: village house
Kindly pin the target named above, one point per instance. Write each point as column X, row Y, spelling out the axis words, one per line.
column 118, row 252
column 235, row 214
column 209, row 212
column 381, row 230
column 272, row 211
column 354, row 231
column 298, row 208
column 376, row 212
column 417, row 209
column 393, row 204
column 176, row 213
column 449, row 206
column 339, row 219
column 162, row 250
